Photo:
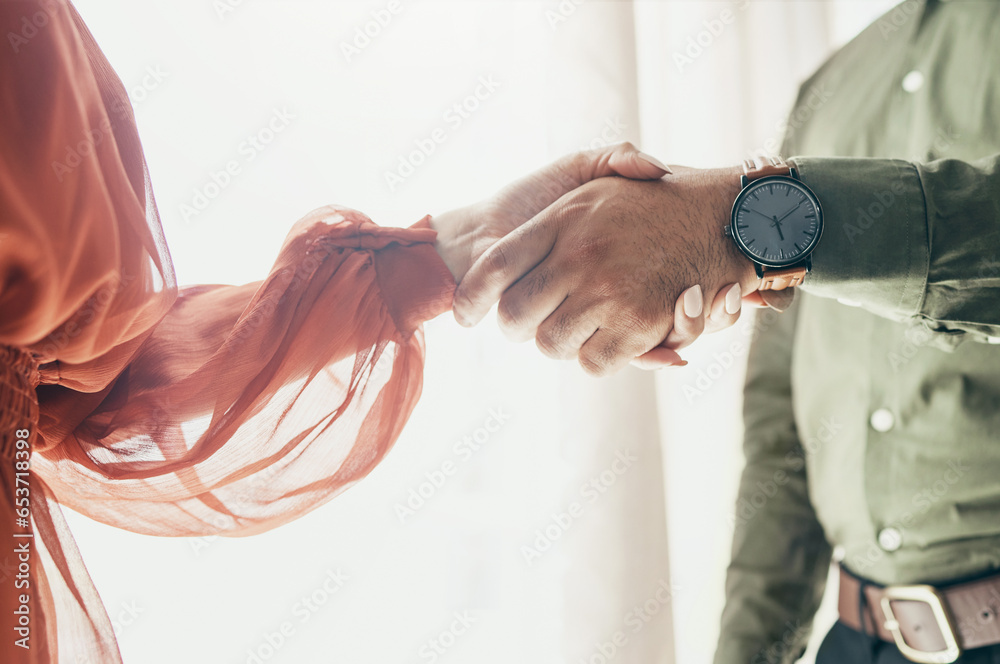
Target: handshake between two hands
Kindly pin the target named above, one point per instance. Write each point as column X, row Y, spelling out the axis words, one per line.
column 605, row 256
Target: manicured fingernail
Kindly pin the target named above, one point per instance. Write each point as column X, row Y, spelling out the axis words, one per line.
column 733, row 300
column 693, row 301
column 654, row 161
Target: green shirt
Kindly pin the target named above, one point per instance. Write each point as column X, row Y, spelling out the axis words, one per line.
column 872, row 406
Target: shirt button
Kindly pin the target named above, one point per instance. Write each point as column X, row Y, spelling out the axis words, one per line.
column 890, row 539
column 913, row 81
column 882, row 420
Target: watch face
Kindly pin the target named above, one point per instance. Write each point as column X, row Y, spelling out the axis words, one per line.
column 777, row 221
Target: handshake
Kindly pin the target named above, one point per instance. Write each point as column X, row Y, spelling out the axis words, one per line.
column 606, row 256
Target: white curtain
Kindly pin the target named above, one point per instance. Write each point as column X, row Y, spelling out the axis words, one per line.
column 523, row 514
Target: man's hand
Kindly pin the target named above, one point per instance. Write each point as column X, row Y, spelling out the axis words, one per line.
column 598, row 274
column 464, row 234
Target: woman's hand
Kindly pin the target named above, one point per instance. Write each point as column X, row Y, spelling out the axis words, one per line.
column 691, row 320
column 464, row 234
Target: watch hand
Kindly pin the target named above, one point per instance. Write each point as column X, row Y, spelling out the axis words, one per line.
column 760, row 214
column 777, row 224
column 791, row 211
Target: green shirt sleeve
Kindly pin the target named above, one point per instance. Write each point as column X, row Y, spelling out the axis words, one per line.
column 780, row 557
column 911, row 241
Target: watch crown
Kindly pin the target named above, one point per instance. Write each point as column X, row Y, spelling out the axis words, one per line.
column 727, row 231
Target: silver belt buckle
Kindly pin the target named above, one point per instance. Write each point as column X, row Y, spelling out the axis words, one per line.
column 930, row 596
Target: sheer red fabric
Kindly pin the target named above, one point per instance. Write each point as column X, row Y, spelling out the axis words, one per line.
column 203, row 410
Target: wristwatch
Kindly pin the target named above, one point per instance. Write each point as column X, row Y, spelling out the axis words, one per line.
column 776, row 222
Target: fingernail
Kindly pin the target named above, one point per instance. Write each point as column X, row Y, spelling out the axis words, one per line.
column 693, row 301
column 654, row 161
column 733, row 300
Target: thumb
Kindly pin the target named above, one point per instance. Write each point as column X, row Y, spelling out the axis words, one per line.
column 516, row 254
column 628, row 161
column 622, row 159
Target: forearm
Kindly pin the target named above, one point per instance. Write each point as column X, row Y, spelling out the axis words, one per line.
column 910, row 241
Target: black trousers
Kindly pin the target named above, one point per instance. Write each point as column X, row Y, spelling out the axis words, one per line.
column 844, row 645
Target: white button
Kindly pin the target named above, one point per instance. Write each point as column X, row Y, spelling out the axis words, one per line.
column 993, row 340
column 890, row 539
column 913, row 81
column 882, row 420
column 849, row 303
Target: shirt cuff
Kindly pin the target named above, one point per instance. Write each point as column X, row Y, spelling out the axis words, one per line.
column 874, row 250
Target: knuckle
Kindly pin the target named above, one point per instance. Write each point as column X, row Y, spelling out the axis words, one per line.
column 462, row 304
column 581, row 160
column 537, row 282
column 510, row 314
column 591, row 364
column 550, row 344
column 593, row 251
column 495, row 260
column 610, row 351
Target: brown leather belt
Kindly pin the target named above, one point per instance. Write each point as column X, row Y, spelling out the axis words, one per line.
column 927, row 624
